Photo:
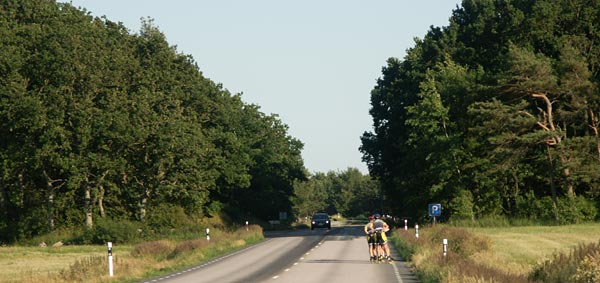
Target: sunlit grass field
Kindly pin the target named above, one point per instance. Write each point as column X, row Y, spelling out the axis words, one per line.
column 518, row 249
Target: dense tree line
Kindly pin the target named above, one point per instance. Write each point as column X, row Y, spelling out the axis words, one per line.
column 349, row 193
column 98, row 122
column 494, row 114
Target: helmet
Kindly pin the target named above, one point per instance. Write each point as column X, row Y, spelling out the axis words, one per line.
column 370, row 217
column 377, row 216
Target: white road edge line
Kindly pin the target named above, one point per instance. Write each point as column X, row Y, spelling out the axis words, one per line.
column 397, row 273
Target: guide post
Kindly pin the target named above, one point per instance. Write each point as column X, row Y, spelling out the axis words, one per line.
column 110, row 259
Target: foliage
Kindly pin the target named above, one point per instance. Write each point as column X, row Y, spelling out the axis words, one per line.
column 167, row 216
column 572, row 210
column 99, row 123
column 494, row 114
column 349, row 193
column 111, row 230
column 580, row 265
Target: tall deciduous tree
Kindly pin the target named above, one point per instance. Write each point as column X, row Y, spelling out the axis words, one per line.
column 99, row 122
column 516, row 117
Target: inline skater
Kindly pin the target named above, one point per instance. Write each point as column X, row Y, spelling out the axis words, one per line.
column 369, row 230
column 380, row 228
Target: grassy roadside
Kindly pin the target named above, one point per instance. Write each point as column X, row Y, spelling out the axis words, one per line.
column 520, row 249
column 131, row 262
column 504, row 254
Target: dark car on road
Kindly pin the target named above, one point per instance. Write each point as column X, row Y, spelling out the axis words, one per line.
column 320, row 220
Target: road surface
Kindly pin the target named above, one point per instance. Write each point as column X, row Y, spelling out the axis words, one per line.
column 337, row 255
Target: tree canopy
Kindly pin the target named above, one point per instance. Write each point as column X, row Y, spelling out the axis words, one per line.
column 99, row 122
column 494, row 114
column 349, row 193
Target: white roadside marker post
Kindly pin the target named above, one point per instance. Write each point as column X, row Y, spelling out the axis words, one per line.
column 417, row 231
column 110, row 259
column 445, row 241
column 207, row 234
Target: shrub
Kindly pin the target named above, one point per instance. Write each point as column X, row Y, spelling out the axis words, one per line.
column 569, row 210
column 214, row 208
column 581, row 264
column 67, row 235
column 588, row 270
column 113, row 230
column 166, row 216
column 462, row 206
column 576, row 209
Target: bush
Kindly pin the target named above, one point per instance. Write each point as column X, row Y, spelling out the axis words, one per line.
column 582, row 264
column 214, row 208
column 588, row 269
column 67, row 235
column 166, row 216
column 113, row 230
column 576, row 210
column 570, row 210
column 462, row 206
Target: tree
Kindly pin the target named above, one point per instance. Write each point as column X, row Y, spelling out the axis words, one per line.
column 103, row 123
column 349, row 193
column 494, row 109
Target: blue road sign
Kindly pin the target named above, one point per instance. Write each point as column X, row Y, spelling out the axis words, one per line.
column 435, row 209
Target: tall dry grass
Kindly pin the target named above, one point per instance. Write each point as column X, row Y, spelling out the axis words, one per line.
column 461, row 263
column 580, row 265
column 550, row 254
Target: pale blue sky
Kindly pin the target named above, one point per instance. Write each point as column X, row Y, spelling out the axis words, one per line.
column 314, row 63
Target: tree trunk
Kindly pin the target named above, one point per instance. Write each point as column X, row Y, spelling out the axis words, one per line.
column 89, row 221
column 143, row 203
column 556, row 139
column 594, row 127
column 4, row 202
column 50, row 189
column 100, row 194
column 567, row 175
column 22, row 188
column 101, row 201
column 552, row 187
column 50, row 206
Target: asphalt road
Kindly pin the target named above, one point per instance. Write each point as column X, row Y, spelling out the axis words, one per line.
column 337, row 255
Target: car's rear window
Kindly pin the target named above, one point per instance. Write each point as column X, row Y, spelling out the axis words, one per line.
column 320, row 216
